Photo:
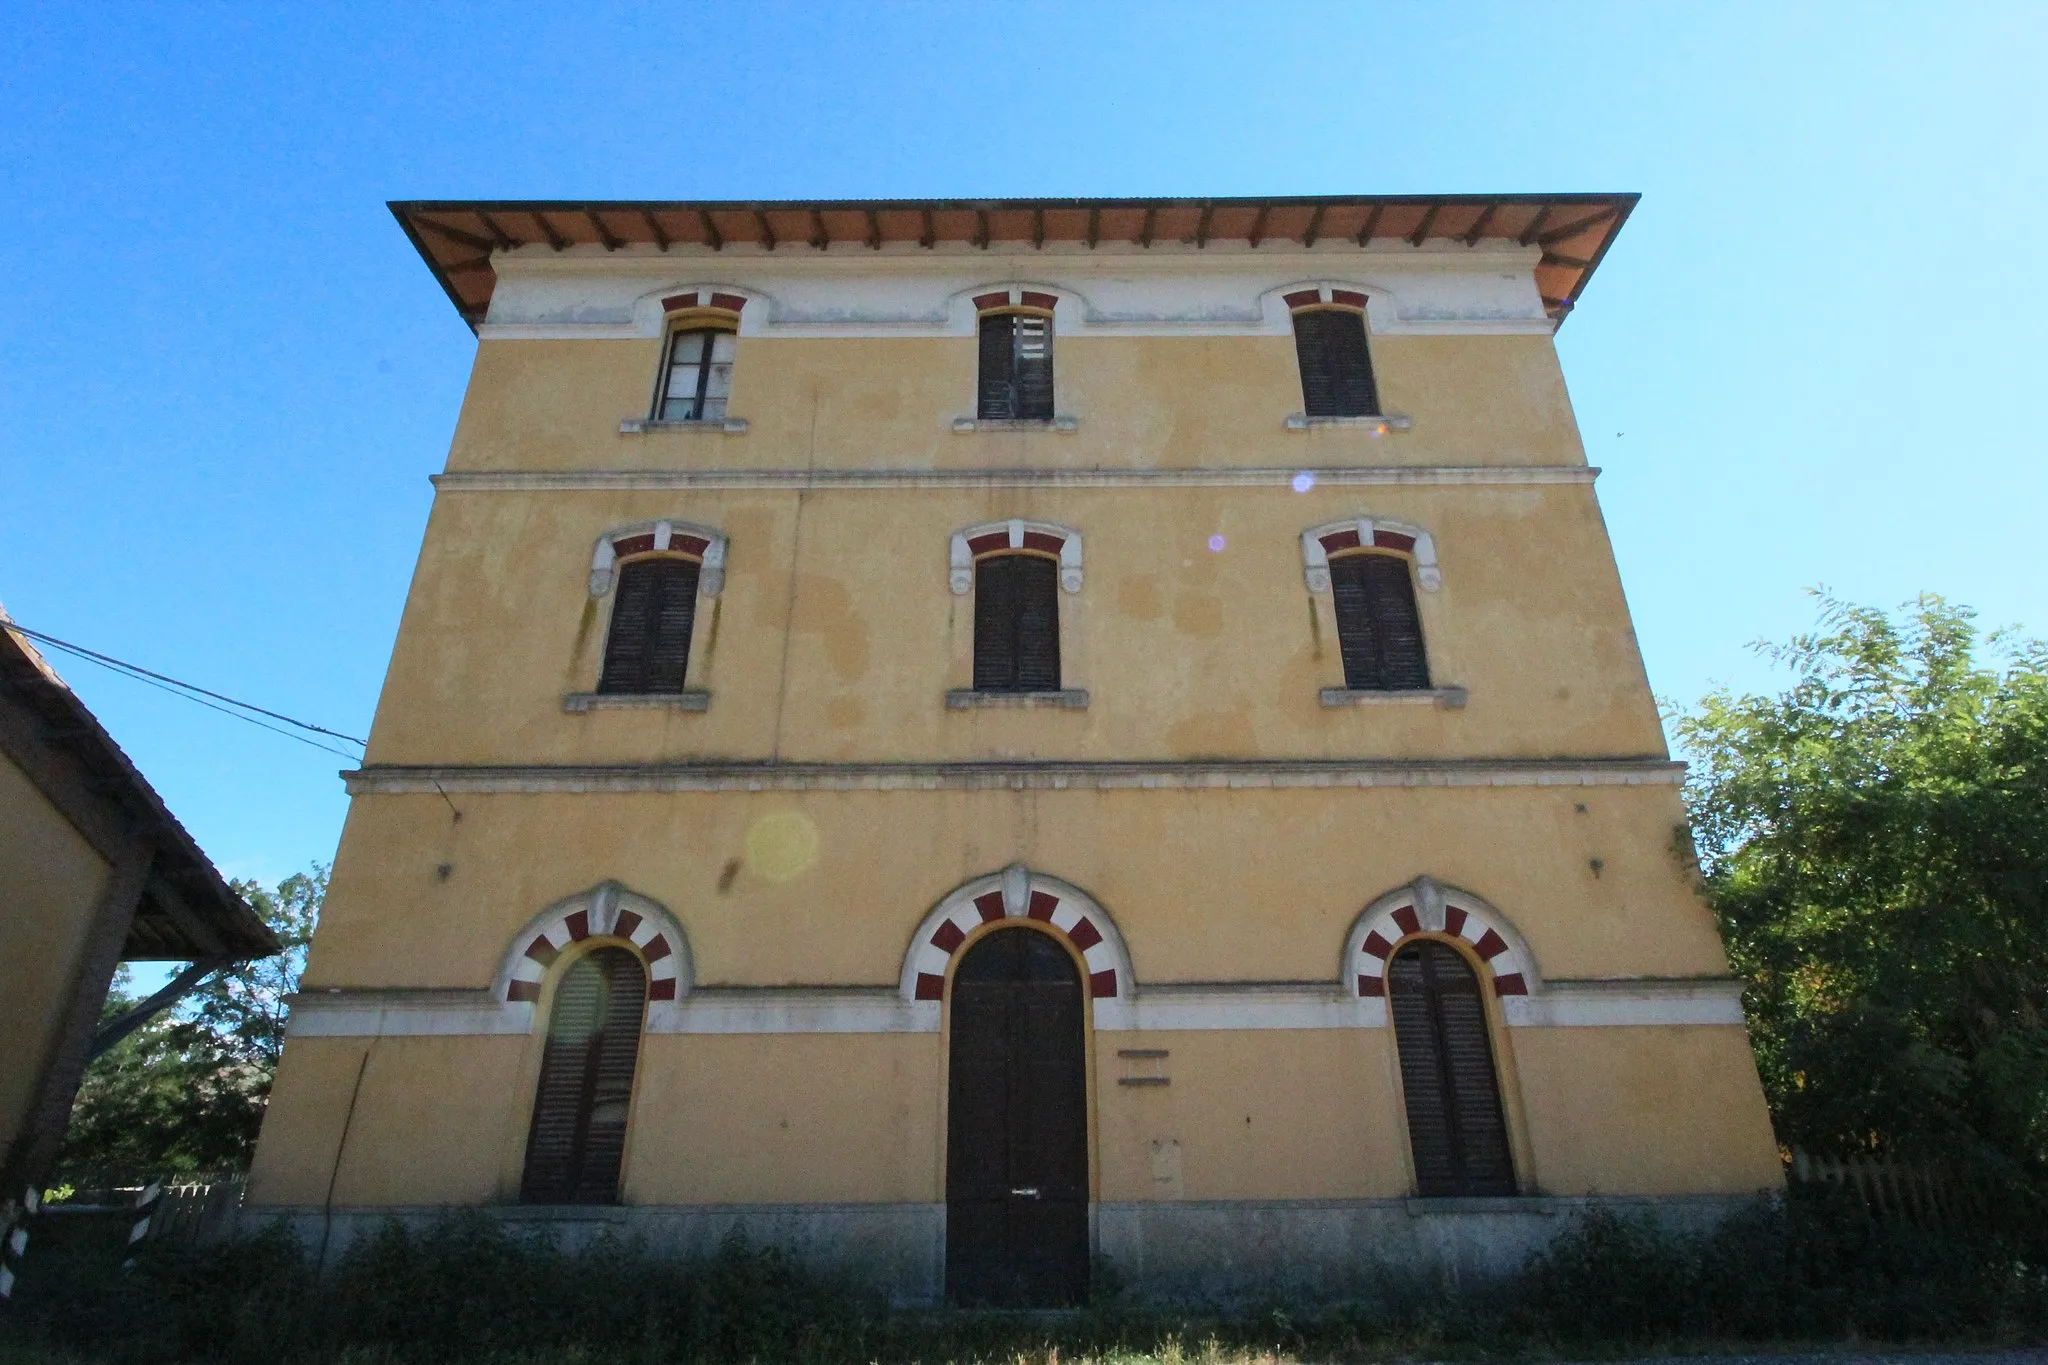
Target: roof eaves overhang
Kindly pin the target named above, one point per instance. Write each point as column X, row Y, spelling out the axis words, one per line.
column 460, row 239
column 189, row 912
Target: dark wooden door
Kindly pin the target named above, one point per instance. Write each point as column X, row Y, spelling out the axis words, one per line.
column 1455, row 1125
column 1017, row 1126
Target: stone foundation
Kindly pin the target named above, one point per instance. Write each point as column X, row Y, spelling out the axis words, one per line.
column 1221, row 1252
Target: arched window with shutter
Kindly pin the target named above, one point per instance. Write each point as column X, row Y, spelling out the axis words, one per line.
column 1457, row 1129
column 1379, row 632
column 578, row 1140
column 1015, row 382
column 1336, row 366
column 1016, row 623
column 654, row 610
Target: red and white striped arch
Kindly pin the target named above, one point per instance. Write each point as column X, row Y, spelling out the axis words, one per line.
column 1020, row 894
column 1318, row 543
column 608, row 911
column 1000, row 537
column 705, row 543
column 1424, row 907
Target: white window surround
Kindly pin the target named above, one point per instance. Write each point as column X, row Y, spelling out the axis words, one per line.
column 1426, row 907
column 1315, row 555
column 605, row 911
column 641, row 426
column 961, row 561
column 1058, row 422
column 710, row 582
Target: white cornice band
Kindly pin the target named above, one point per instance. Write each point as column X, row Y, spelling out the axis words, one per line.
column 1290, row 476
column 1627, row 1003
column 1031, row 775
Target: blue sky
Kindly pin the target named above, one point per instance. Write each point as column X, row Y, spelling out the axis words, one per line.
column 225, row 376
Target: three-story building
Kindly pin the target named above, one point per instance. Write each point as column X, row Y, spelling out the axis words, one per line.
column 966, row 737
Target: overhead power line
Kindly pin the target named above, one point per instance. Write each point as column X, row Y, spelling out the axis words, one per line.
column 193, row 692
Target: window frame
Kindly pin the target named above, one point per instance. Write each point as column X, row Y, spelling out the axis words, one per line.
column 1344, row 560
column 1374, row 405
column 710, row 327
column 1051, row 603
column 1014, row 382
column 624, row 565
column 555, row 1054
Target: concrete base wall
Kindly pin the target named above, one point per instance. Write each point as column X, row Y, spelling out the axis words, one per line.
column 1223, row 1252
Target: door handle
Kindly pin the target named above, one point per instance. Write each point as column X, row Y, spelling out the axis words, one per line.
column 1028, row 1192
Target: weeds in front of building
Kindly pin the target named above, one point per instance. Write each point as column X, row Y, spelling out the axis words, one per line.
column 1816, row 1266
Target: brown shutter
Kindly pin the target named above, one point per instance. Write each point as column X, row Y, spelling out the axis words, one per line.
column 1379, row 633
column 1016, row 368
column 1336, row 368
column 1016, row 624
column 653, row 611
column 1456, row 1128
column 1034, row 367
column 578, row 1140
column 998, row 397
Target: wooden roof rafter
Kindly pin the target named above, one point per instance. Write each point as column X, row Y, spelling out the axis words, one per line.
column 458, row 239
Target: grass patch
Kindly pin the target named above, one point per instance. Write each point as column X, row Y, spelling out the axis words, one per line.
column 466, row 1291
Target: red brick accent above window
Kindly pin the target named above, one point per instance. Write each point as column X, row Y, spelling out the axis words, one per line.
column 1303, row 298
column 1045, row 301
column 989, row 544
column 676, row 303
column 1039, row 540
column 733, row 303
column 1350, row 298
column 987, row 301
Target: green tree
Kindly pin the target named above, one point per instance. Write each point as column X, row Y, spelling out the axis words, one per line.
column 186, row 1092
column 1874, row 840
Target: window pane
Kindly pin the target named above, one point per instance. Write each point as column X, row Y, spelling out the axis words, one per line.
column 714, row 410
column 689, row 348
column 677, row 409
column 722, row 346
column 720, row 382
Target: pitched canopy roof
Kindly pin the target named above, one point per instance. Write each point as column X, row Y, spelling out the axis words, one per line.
column 187, row 912
column 458, row 238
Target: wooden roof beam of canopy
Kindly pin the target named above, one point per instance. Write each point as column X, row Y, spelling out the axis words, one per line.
column 458, row 239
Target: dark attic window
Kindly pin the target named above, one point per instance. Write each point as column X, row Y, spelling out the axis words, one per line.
column 1016, row 368
column 1336, row 369
column 654, row 609
column 1379, row 632
column 1016, row 624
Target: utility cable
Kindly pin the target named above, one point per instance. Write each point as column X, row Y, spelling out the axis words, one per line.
column 178, row 688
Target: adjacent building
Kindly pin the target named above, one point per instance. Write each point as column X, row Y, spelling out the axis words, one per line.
column 979, row 739
column 94, row 871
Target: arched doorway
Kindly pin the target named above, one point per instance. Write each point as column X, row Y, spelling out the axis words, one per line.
column 1456, row 1128
column 1017, row 1125
column 578, row 1139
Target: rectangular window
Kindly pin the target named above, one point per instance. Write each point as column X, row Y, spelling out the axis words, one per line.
column 653, row 611
column 698, row 376
column 1016, row 624
column 1336, row 370
column 1016, row 368
column 1378, row 630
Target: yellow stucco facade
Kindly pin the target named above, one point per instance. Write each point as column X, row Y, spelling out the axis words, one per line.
column 1207, row 791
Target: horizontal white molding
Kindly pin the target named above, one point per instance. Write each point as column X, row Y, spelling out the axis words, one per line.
column 390, row 779
column 1627, row 1002
column 1168, row 1008
column 611, row 480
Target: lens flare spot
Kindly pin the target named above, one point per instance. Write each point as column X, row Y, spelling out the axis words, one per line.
column 782, row 846
column 1216, row 544
column 1304, row 481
